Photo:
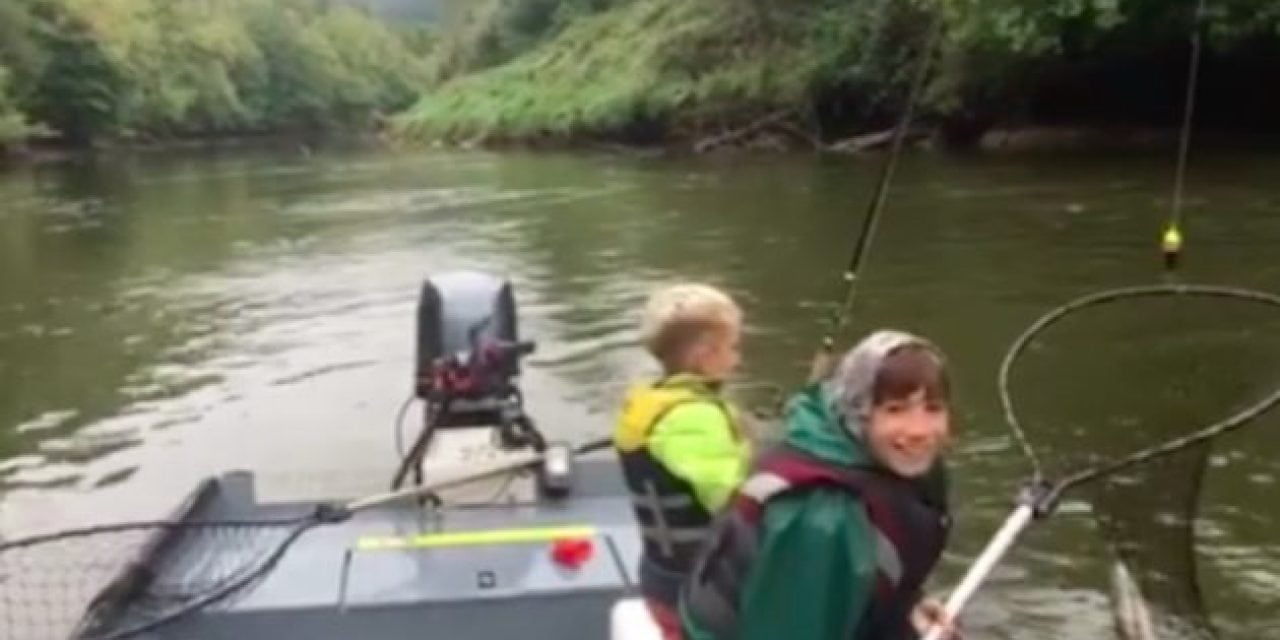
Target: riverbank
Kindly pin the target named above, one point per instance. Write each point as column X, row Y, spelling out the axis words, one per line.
column 1028, row 140
column 833, row 75
column 999, row 141
column 634, row 76
column 304, row 143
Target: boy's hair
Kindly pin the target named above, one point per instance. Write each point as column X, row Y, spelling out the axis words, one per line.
column 887, row 365
column 679, row 316
column 908, row 369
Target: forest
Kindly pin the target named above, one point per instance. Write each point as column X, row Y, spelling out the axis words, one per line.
column 633, row 71
column 818, row 71
column 82, row 70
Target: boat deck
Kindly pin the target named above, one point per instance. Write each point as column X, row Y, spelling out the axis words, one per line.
column 475, row 572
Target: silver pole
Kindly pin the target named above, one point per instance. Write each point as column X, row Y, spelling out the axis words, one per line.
column 432, row 484
column 982, row 567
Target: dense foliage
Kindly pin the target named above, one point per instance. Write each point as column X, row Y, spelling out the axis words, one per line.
column 643, row 70
column 517, row 68
column 156, row 68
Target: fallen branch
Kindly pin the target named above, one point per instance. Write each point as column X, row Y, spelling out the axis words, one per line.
column 706, row 144
column 869, row 141
column 802, row 134
column 860, row 143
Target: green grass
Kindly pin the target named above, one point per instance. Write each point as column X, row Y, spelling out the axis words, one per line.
column 677, row 66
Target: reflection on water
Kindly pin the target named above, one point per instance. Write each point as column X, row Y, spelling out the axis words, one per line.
column 166, row 317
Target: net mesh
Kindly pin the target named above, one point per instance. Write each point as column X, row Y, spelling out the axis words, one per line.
column 1157, row 541
column 45, row 588
column 103, row 583
column 1114, row 379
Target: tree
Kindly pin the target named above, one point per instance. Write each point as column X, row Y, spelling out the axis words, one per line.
column 13, row 125
column 78, row 92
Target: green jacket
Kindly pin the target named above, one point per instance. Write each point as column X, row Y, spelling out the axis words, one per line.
column 688, row 427
column 699, row 443
column 788, row 594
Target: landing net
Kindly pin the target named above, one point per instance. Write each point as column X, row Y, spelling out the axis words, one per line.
column 118, row 581
column 1128, row 373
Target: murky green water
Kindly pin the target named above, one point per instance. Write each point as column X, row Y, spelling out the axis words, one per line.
column 165, row 317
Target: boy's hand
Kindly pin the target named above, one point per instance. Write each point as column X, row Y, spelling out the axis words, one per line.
column 930, row 613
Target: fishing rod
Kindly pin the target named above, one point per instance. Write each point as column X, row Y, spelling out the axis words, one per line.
column 1040, row 497
column 880, row 196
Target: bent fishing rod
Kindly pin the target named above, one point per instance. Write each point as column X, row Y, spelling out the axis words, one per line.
column 880, row 195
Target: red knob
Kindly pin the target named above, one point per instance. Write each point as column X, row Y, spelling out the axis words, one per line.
column 572, row 553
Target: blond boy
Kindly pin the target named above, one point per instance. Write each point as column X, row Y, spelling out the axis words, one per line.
column 680, row 443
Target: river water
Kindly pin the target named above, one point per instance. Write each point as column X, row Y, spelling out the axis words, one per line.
column 168, row 316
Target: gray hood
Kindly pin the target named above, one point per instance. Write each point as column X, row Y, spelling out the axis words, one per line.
column 850, row 385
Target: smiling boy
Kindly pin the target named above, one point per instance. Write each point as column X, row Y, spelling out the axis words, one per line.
column 832, row 535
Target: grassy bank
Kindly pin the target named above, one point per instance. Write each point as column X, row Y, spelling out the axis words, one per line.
column 815, row 73
column 651, row 70
column 702, row 74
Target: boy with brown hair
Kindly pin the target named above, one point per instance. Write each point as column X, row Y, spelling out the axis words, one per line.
column 834, row 533
column 680, row 442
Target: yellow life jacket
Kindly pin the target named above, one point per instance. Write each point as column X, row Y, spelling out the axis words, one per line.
column 646, row 404
column 673, row 524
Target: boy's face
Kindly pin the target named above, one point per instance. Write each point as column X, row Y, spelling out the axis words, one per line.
column 908, row 434
column 717, row 355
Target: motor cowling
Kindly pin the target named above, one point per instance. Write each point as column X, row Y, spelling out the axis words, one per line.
column 468, row 339
column 468, row 359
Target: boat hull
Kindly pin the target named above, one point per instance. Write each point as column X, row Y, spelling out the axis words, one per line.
column 468, row 573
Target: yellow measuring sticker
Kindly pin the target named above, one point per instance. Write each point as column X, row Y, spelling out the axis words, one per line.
column 471, row 538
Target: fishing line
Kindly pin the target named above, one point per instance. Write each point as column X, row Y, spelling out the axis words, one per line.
column 1171, row 241
column 1042, row 494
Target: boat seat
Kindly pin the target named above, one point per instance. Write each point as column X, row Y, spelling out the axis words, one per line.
column 630, row 620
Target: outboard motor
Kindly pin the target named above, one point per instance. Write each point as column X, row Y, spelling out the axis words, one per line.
column 468, row 360
column 469, row 351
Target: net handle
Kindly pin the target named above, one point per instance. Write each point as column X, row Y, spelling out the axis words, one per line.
column 1041, row 496
column 177, row 521
column 514, row 463
column 986, row 562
